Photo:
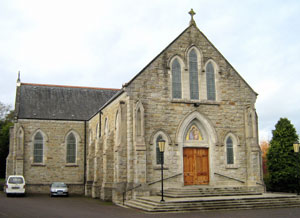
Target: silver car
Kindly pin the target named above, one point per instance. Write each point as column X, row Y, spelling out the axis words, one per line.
column 59, row 189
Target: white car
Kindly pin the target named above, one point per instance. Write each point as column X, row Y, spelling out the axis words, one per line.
column 59, row 189
column 15, row 185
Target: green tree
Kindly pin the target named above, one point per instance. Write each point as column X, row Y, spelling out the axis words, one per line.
column 281, row 160
column 6, row 118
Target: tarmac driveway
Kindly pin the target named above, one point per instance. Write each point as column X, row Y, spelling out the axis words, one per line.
column 43, row 206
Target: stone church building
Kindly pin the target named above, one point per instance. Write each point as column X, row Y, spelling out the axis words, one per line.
column 102, row 142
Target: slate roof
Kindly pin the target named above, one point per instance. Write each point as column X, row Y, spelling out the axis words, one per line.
column 54, row 102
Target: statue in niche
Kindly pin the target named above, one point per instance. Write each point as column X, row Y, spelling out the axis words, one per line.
column 194, row 134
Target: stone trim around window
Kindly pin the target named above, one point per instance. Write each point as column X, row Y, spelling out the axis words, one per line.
column 203, row 102
column 235, row 143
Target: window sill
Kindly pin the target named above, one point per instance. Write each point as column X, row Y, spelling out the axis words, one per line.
column 231, row 166
column 200, row 102
column 71, row 165
column 38, row 165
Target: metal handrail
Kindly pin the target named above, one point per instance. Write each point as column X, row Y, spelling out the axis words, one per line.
column 258, row 183
column 150, row 183
column 128, row 190
column 228, row 177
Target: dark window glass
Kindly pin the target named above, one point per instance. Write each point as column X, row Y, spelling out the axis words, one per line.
column 71, row 148
column 229, row 147
column 159, row 154
column 38, row 148
column 193, row 66
column 139, row 122
column 176, row 79
column 15, row 180
column 210, row 82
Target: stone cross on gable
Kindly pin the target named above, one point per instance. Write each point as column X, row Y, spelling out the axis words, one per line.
column 192, row 13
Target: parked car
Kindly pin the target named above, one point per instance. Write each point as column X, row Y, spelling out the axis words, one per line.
column 15, row 185
column 59, row 189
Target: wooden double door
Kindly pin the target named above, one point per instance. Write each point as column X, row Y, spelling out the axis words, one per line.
column 196, row 166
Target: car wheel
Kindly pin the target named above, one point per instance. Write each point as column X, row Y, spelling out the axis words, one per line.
column 7, row 195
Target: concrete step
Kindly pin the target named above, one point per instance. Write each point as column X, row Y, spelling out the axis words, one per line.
column 222, row 202
column 203, row 194
column 153, row 205
column 206, row 192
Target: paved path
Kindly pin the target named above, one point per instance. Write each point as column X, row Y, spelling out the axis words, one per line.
column 43, row 206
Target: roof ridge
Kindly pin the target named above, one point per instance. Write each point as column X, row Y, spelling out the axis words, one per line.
column 68, row 86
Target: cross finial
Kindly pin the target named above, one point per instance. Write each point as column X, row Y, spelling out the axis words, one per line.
column 192, row 13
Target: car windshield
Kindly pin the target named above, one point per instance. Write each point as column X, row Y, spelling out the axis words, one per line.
column 15, row 180
column 59, row 185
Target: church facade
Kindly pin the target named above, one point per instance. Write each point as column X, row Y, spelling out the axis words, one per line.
column 102, row 142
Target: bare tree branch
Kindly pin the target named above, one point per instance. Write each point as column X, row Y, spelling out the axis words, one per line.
column 4, row 110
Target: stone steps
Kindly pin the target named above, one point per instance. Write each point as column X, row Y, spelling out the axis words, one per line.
column 206, row 192
column 205, row 204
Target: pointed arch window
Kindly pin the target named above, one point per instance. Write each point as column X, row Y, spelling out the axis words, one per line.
column 159, row 155
column 117, row 127
column 71, row 148
column 210, row 82
column 138, row 122
column 176, row 79
column 106, row 126
column 250, row 125
column 193, row 67
column 229, row 151
column 38, row 148
column 20, row 140
column 97, row 129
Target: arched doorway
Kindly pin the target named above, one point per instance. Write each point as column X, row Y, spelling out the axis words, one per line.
column 196, row 137
column 195, row 157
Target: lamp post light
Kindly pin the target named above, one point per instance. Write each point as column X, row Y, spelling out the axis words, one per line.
column 161, row 145
column 296, row 150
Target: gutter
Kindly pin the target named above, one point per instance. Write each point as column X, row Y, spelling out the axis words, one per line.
column 84, row 157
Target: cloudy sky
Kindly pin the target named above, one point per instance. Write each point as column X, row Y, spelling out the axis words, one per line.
column 105, row 43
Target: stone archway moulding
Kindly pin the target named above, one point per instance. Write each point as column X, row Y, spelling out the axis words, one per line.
column 203, row 120
column 155, row 133
column 210, row 135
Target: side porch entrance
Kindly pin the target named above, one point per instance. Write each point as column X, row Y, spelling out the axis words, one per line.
column 195, row 166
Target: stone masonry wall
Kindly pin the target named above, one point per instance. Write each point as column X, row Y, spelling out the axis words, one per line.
column 54, row 167
column 92, row 188
column 226, row 114
column 114, row 155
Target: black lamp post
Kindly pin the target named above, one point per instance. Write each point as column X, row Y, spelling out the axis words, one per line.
column 161, row 145
column 296, row 150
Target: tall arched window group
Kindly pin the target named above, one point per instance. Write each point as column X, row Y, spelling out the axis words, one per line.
column 194, row 72
column 39, row 140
